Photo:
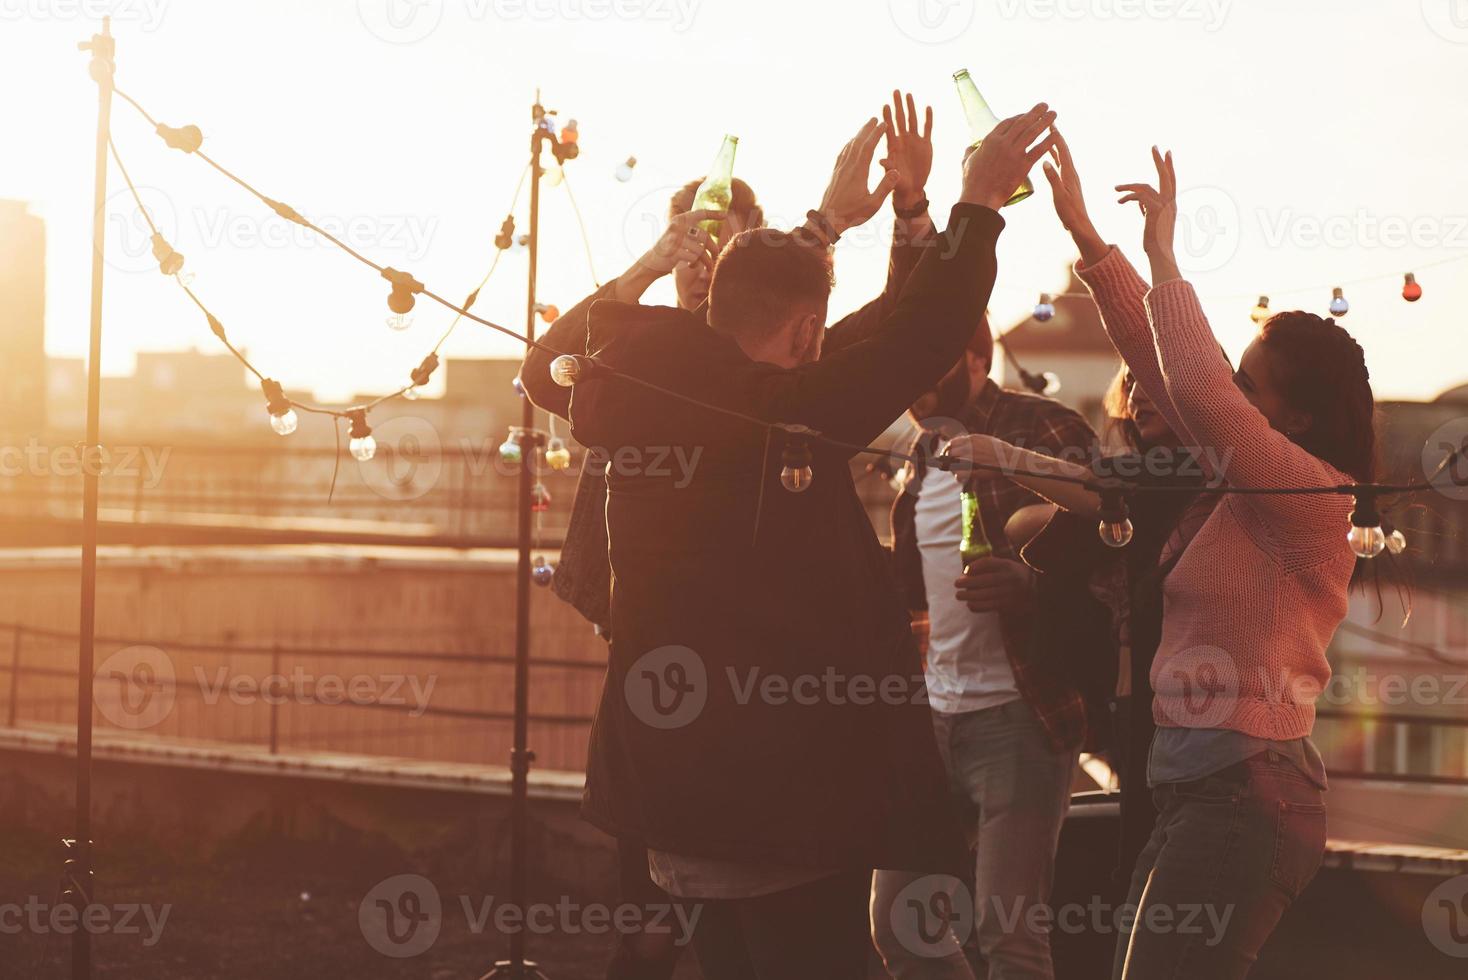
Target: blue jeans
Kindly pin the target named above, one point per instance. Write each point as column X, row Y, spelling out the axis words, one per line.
column 1017, row 790
column 1229, row 854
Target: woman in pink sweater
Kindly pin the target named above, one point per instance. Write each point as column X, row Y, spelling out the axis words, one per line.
column 1255, row 587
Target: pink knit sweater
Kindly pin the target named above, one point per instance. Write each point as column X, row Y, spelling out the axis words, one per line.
column 1256, row 597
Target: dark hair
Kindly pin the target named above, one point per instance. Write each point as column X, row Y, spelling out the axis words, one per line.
column 1322, row 371
column 741, row 202
column 761, row 277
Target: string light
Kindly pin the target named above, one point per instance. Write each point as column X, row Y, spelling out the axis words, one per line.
column 1338, row 304
column 1366, row 537
column 509, row 450
column 506, row 237
column 542, row 571
column 1045, row 383
column 362, row 446
column 420, row 375
column 1115, row 526
column 569, row 369
column 1260, row 313
column 1045, row 309
column 1396, row 541
column 401, row 299
column 540, row 499
column 169, row 260
column 795, row 459
column 283, row 418
column 625, row 168
column 548, row 312
column 1411, row 291
column 557, row 456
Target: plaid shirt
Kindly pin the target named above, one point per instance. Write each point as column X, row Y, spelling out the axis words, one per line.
column 1030, row 422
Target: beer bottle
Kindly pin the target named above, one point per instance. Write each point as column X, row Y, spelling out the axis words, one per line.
column 717, row 189
column 981, row 122
column 973, row 542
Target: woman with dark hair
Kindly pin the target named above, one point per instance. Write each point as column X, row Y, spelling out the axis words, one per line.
column 1251, row 601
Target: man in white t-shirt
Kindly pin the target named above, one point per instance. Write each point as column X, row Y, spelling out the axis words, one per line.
column 1009, row 725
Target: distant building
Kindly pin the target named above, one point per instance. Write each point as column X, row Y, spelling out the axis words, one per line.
column 1072, row 345
column 22, row 320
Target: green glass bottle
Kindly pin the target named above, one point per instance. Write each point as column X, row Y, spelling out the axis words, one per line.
column 717, row 189
column 981, row 122
column 973, row 542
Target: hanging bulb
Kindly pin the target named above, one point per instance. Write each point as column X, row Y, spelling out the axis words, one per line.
column 1052, row 383
column 521, row 242
column 283, row 418
column 1411, row 292
column 510, row 449
column 419, row 376
column 1338, row 304
column 1366, row 537
column 1260, row 313
column 411, row 393
column 796, row 474
column 1115, row 526
column 1045, row 383
column 1396, row 541
column 540, row 499
column 625, row 168
column 518, row 386
column 557, row 456
column 571, row 369
column 362, row 445
column 506, row 237
column 169, row 261
column 549, row 312
column 1045, row 309
column 404, row 287
column 554, row 175
column 398, row 321
column 542, row 571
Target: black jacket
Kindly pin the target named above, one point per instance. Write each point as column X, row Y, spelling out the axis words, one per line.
column 806, row 594
column 583, row 575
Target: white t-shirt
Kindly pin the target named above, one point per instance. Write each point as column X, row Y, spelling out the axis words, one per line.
column 967, row 668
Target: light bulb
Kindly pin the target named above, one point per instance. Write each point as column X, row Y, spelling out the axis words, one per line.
column 554, row 175
column 542, row 571
column 1045, row 309
column 510, row 450
column 411, row 393
column 1116, row 534
column 519, row 386
column 557, row 456
column 1115, row 526
column 399, row 321
column 1338, row 304
column 1367, row 542
column 549, row 312
column 1052, row 382
column 1260, row 313
column 567, row 369
column 624, row 169
column 285, row 423
column 1396, row 542
column 796, row 479
column 540, row 499
column 1411, row 291
column 363, row 448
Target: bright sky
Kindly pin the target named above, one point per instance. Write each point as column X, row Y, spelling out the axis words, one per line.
column 1317, row 141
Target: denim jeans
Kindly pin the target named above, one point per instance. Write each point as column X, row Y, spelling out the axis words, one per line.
column 1229, row 854
column 1017, row 789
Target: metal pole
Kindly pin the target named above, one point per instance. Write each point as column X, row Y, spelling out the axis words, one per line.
column 521, row 757
column 275, row 701
column 78, row 866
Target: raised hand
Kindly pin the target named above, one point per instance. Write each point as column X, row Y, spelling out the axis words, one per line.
column 909, row 152
column 1001, row 162
column 848, row 202
column 682, row 243
column 1159, row 208
column 1070, row 204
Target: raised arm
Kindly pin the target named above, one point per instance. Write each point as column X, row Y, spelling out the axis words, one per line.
column 1115, row 286
column 854, row 394
column 682, row 242
column 1201, row 388
column 1034, row 471
column 910, row 154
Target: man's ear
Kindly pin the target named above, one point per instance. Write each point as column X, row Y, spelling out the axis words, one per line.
column 805, row 338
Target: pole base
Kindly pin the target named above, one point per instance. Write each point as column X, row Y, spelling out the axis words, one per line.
column 505, row 970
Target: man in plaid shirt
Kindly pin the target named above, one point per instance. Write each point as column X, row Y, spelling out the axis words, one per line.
column 1009, row 718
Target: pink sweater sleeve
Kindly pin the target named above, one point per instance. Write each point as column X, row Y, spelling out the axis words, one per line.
column 1201, row 390
column 1120, row 294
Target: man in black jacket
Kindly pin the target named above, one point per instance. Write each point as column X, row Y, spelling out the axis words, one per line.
column 764, row 726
